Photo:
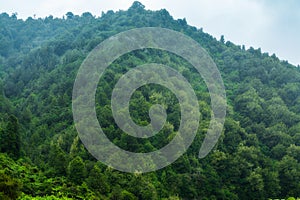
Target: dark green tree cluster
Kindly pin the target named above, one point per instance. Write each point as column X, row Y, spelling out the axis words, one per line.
column 42, row 157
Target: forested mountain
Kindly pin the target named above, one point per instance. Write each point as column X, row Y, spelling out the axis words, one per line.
column 42, row 157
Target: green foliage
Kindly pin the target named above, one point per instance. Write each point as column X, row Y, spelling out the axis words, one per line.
column 57, row 160
column 257, row 156
column 52, row 197
column 76, row 170
column 9, row 187
column 10, row 138
column 97, row 181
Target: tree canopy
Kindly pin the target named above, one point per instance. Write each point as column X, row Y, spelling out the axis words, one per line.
column 257, row 156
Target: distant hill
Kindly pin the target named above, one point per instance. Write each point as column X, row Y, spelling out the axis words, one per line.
column 257, row 156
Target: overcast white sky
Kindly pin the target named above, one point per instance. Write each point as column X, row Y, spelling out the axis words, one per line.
column 273, row 25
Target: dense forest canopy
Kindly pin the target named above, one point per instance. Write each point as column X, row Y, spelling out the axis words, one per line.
column 42, row 157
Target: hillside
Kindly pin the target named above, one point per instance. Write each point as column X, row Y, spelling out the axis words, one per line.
column 42, row 157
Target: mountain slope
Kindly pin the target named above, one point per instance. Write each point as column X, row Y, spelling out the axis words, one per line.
column 257, row 156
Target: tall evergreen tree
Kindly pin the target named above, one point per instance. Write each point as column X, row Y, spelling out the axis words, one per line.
column 10, row 138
